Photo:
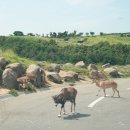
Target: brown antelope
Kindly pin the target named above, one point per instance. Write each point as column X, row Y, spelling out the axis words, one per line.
column 23, row 81
column 66, row 94
column 103, row 84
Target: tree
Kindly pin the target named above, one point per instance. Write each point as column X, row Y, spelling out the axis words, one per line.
column 92, row 33
column 80, row 34
column 101, row 33
column 74, row 33
column 18, row 33
column 87, row 34
column 30, row 34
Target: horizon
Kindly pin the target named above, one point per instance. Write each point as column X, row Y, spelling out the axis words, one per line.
column 43, row 17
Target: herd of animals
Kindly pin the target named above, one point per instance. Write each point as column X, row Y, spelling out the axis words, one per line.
column 70, row 93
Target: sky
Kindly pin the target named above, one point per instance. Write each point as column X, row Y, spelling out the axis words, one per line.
column 45, row 16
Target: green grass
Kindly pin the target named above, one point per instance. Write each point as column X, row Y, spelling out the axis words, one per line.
column 81, row 71
column 112, row 39
column 13, row 92
column 13, row 58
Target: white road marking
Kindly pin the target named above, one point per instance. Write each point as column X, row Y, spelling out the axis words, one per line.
column 94, row 102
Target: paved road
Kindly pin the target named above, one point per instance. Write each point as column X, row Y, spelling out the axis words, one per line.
column 37, row 111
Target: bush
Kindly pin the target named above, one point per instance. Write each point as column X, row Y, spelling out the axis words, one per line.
column 13, row 92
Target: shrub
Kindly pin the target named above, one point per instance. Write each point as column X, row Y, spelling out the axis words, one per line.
column 13, row 92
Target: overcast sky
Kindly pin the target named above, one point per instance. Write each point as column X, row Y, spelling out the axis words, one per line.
column 44, row 16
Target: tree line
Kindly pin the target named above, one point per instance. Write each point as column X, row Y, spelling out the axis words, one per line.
column 64, row 34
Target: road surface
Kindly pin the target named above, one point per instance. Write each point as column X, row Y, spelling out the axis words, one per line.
column 36, row 111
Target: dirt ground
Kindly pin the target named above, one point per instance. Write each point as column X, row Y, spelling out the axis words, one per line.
column 3, row 91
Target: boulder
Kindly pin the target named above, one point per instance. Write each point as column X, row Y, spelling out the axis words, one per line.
column 17, row 68
column 3, row 62
column 80, row 64
column 106, row 65
column 112, row 71
column 39, row 74
column 95, row 74
column 9, row 78
column 69, row 64
column 92, row 67
column 54, row 77
column 70, row 76
column 54, row 68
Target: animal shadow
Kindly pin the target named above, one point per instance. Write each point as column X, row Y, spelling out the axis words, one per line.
column 76, row 116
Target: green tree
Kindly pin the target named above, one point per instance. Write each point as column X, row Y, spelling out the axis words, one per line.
column 101, row 33
column 18, row 33
column 30, row 34
column 92, row 33
column 87, row 34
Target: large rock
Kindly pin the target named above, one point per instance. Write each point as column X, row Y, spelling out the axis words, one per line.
column 92, row 67
column 80, row 64
column 112, row 71
column 69, row 76
column 95, row 74
column 17, row 68
column 54, row 77
column 3, row 62
column 106, row 65
column 69, row 64
column 54, row 68
column 39, row 74
column 9, row 78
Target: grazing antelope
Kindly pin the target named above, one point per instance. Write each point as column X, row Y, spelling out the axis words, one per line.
column 66, row 94
column 103, row 84
column 24, row 80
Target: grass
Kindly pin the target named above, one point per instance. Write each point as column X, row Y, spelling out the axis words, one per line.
column 13, row 92
column 81, row 71
column 124, row 70
column 13, row 58
column 112, row 39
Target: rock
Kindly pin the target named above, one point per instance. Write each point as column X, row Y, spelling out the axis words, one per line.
column 17, row 68
column 92, row 67
column 54, row 77
column 80, row 64
column 3, row 62
column 39, row 74
column 69, row 64
column 54, row 68
column 95, row 74
column 71, row 76
column 112, row 71
column 106, row 65
column 9, row 78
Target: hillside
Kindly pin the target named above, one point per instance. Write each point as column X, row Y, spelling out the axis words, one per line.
column 112, row 39
column 97, row 49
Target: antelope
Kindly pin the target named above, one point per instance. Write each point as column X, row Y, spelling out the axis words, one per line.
column 103, row 84
column 24, row 80
column 66, row 94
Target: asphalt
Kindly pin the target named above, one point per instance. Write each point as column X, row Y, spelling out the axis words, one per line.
column 36, row 111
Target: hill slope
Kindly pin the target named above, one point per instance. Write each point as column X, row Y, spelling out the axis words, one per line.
column 98, row 49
